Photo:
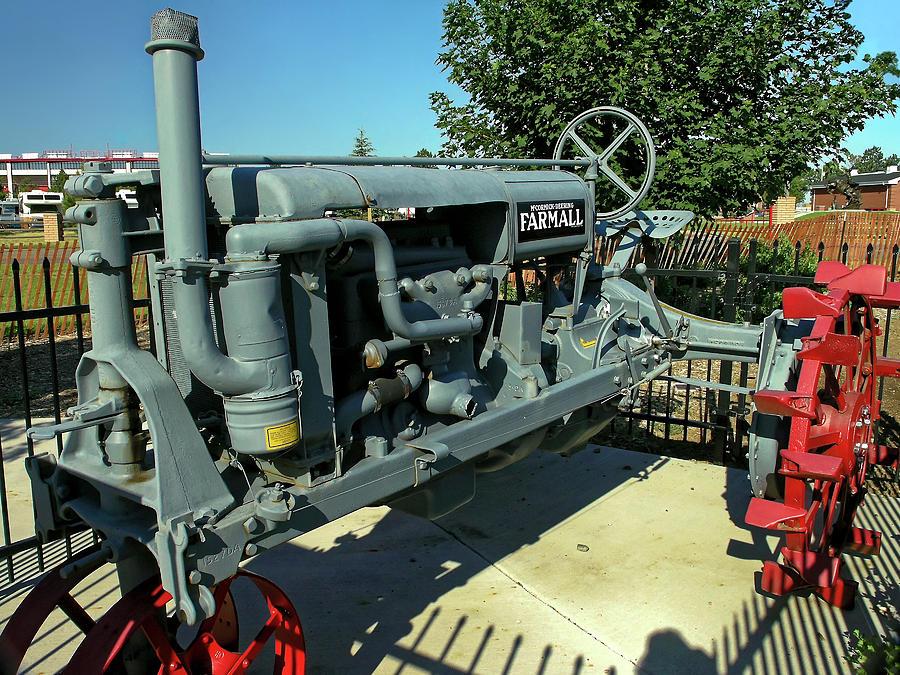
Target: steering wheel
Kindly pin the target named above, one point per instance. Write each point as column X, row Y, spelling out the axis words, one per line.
column 570, row 135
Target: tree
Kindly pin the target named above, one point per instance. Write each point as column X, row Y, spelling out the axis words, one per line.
column 58, row 184
column 740, row 96
column 872, row 159
column 25, row 186
column 425, row 152
column 362, row 146
column 799, row 186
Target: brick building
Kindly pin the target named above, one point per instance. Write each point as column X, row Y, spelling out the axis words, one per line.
column 878, row 191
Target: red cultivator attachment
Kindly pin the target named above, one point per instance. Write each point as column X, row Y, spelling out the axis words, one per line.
column 826, row 411
column 212, row 651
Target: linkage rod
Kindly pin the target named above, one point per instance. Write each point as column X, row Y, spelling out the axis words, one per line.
column 287, row 160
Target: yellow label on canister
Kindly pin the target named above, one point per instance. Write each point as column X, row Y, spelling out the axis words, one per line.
column 282, row 435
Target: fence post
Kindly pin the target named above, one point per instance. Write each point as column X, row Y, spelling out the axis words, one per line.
column 750, row 290
column 729, row 314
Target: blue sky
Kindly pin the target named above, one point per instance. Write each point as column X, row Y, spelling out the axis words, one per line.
column 279, row 76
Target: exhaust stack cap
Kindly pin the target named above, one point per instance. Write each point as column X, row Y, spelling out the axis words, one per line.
column 171, row 29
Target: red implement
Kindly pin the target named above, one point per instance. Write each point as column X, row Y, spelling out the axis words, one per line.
column 213, row 651
column 830, row 411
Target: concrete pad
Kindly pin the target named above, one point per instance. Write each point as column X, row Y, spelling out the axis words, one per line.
column 16, row 481
column 610, row 561
column 668, row 577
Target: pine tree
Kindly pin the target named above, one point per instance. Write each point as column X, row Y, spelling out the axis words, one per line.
column 362, row 146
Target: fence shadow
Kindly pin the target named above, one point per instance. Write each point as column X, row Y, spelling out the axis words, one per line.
column 399, row 575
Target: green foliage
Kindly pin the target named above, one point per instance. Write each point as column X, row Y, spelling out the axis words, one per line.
column 59, row 185
column 362, row 146
column 799, row 186
column 25, row 186
column 741, row 96
column 4, row 193
column 873, row 654
column 425, row 152
column 755, row 298
column 872, row 159
column 533, row 291
column 782, row 258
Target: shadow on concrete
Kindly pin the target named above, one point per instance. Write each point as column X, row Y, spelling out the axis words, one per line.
column 788, row 635
column 376, row 597
column 396, row 570
column 401, row 575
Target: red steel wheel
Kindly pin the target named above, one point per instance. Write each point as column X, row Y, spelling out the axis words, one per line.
column 54, row 590
column 831, row 410
column 209, row 652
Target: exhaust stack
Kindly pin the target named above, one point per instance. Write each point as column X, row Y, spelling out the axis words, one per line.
column 256, row 378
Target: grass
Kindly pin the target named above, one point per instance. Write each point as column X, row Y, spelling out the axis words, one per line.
column 812, row 215
column 33, row 235
column 821, row 214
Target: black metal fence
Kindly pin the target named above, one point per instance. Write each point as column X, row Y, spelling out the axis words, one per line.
column 688, row 421
column 672, row 419
column 38, row 384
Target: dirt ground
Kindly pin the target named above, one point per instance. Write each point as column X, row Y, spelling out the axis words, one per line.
column 39, row 375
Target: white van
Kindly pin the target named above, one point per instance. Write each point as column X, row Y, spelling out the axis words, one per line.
column 35, row 203
column 9, row 213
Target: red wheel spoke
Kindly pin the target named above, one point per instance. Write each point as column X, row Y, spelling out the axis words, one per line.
column 162, row 646
column 52, row 591
column 103, row 644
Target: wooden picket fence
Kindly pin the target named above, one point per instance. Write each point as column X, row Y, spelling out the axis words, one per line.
column 38, row 276
column 855, row 237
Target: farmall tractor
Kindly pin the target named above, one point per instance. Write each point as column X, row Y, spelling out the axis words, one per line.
column 310, row 362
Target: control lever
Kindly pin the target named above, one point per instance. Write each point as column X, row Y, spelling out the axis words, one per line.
column 641, row 270
column 83, row 416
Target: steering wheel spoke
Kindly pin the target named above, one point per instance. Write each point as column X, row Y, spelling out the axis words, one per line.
column 617, row 143
column 616, row 180
column 585, row 148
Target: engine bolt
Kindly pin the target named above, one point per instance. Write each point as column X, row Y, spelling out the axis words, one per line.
column 195, row 577
column 250, row 549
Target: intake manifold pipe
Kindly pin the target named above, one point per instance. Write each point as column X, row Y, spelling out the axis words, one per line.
column 380, row 393
column 256, row 379
column 257, row 240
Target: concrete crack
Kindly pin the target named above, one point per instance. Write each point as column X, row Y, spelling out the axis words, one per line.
column 537, row 597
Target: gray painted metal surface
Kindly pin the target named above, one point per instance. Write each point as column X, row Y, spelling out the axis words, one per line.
column 335, row 362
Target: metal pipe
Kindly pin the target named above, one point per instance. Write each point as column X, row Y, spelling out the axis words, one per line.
column 381, row 392
column 175, row 47
column 340, row 160
column 253, row 240
column 376, row 352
